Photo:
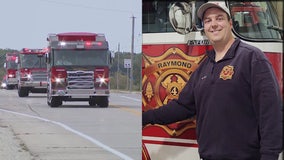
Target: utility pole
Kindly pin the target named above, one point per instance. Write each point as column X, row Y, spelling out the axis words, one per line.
column 117, row 73
column 132, row 52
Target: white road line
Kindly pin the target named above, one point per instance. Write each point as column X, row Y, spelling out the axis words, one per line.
column 119, row 154
column 134, row 99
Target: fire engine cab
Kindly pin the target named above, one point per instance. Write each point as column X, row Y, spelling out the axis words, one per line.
column 31, row 74
column 10, row 67
column 78, row 68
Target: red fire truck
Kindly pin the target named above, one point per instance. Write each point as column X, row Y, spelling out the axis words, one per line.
column 31, row 74
column 174, row 46
column 10, row 66
column 78, row 68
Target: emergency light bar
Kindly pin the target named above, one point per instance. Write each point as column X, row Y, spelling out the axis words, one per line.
column 27, row 50
column 81, row 45
column 78, row 40
column 11, row 58
column 101, row 37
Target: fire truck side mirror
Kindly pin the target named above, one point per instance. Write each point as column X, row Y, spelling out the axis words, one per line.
column 111, row 56
column 180, row 17
column 5, row 64
column 47, row 59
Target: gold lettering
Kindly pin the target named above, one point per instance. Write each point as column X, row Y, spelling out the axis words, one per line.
column 174, row 64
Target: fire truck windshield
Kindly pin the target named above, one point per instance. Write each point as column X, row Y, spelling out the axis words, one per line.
column 32, row 61
column 254, row 19
column 155, row 18
column 11, row 65
column 80, row 57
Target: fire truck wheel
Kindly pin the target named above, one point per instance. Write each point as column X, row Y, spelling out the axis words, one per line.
column 103, row 102
column 23, row 92
column 55, row 102
column 100, row 101
column 92, row 102
column 9, row 87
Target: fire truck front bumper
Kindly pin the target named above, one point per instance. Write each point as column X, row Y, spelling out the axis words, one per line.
column 12, row 81
column 34, row 84
column 80, row 93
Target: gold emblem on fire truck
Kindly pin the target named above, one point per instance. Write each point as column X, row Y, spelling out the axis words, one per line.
column 164, row 76
column 173, row 87
column 227, row 72
column 149, row 91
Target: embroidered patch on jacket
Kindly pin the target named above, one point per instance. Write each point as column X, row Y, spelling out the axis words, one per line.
column 227, row 72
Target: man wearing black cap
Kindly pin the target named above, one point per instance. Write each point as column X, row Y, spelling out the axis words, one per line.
column 234, row 95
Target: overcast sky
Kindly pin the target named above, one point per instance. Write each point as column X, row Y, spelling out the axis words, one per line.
column 26, row 23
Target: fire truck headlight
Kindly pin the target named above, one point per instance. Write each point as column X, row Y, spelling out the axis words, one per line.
column 59, row 80
column 29, row 76
column 101, row 80
column 10, row 75
column 3, row 85
column 62, row 43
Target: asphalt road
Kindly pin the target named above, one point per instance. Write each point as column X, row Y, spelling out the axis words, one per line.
column 72, row 131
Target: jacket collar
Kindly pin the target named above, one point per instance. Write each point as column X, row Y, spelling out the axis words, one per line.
column 230, row 53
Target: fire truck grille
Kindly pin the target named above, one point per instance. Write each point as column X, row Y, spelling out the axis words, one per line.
column 80, row 79
column 39, row 75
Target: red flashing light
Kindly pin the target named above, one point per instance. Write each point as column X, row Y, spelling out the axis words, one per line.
column 77, row 36
column 11, row 58
column 37, row 51
column 14, row 58
column 26, row 50
column 99, row 43
column 45, row 49
column 88, row 43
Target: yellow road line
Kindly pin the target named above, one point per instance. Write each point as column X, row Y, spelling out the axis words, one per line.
column 130, row 110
